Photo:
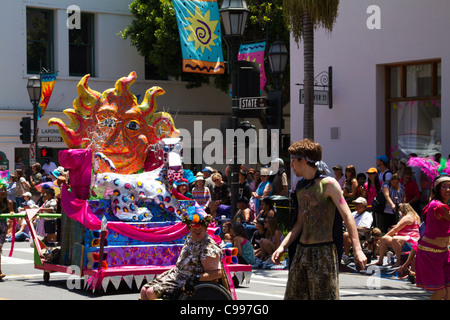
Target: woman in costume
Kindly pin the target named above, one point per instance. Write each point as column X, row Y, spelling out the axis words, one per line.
column 199, row 260
column 183, row 188
column 433, row 255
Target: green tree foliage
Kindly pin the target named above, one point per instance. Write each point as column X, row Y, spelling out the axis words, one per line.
column 154, row 32
column 303, row 17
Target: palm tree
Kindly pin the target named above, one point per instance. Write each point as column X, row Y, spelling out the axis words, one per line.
column 303, row 17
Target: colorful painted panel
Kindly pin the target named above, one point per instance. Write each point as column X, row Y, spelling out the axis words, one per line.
column 47, row 85
column 254, row 52
column 200, row 36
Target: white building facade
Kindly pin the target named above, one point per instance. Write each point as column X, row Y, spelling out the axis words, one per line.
column 390, row 71
column 36, row 34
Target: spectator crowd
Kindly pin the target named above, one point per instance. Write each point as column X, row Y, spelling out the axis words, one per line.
column 38, row 188
column 386, row 200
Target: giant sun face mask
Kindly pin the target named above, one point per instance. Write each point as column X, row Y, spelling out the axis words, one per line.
column 114, row 124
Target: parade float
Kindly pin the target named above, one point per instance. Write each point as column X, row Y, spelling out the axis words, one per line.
column 121, row 217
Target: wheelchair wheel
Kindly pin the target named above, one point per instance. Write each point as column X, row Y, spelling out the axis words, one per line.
column 208, row 291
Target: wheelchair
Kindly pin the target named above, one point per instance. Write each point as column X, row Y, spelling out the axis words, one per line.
column 207, row 291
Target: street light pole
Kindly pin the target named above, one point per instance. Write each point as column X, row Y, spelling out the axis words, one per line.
column 234, row 14
column 278, row 56
column 34, row 92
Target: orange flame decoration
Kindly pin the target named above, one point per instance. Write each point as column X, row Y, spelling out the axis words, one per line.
column 130, row 128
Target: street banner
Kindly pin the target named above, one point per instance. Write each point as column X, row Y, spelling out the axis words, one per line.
column 200, row 36
column 47, row 84
column 254, row 52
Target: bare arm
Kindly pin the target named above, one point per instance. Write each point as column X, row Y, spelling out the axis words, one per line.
column 291, row 236
column 334, row 191
column 407, row 220
column 388, row 198
column 212, row 269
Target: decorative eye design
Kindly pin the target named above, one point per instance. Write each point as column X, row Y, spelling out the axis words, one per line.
column 133, row 125
column 109, row 122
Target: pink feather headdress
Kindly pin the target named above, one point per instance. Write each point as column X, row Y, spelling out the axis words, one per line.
column 430, row 167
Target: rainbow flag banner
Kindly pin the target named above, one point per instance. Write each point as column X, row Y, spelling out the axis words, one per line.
column 200, row 36
column 254, row 52
column 47, row 84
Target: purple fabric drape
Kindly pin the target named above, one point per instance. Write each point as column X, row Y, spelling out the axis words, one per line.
column 79, row 164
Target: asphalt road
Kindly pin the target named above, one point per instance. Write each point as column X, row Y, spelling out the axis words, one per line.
column 24, row 282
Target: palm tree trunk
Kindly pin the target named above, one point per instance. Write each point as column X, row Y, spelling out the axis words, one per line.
column 308, row 38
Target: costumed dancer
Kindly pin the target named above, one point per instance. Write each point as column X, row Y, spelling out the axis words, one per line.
column 313, row 273
column 433, row 255
column 199, row 260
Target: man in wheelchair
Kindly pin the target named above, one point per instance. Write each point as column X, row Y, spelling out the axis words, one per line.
column 200, row 260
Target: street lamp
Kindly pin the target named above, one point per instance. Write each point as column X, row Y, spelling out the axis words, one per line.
column 34, row 89
column 233, row 14
column 34, row 92
column 278, row 56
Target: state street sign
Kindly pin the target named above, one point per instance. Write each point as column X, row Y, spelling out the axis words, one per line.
column 251, row 103
column 320, row 97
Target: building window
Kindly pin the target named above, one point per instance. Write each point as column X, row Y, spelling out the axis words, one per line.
column 40, row 44
column 81, row 47
column 413, row 104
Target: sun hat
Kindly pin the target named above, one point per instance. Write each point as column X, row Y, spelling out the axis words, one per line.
column 199, row 177
column 208, row 169
column 265, row 172
column 360, row 200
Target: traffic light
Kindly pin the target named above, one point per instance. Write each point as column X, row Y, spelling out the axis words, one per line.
column 25, row 130
column 273, row 110
column 46, row 152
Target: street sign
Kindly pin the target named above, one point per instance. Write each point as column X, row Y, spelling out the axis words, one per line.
column 320, row 97
column 32, row 150
column 32, row 153
column 252, row 103
column 50, row 139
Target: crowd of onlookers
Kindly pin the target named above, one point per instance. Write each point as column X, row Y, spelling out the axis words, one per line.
column 253, row 228
column 31, row 189
column 387, row 202
column 37, row 188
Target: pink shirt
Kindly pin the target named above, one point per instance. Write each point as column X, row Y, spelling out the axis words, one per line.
column 436, row 225
column 411, row 230
column 371, row 194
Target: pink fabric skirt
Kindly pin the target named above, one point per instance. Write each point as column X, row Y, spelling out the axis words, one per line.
column 432, row 267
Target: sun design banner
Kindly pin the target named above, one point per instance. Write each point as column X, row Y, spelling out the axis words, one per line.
column 200, row 36
column 254, row 52
column 47, row 84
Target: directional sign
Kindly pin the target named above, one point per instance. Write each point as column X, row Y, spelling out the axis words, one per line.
column 320, row 97
column 32, row 150
column 32, row 153
column 252, row 103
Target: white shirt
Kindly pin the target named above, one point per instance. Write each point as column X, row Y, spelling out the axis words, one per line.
column 49, row 167
column 365, row 219
column 387, row 176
